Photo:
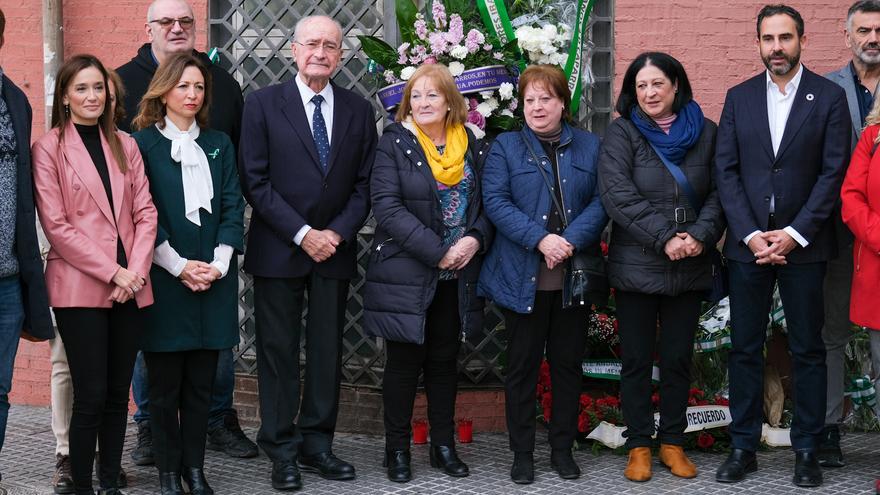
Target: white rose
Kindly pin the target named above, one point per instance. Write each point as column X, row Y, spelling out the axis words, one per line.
column 506, row 91
column 459, row 52
column 493, row 103
column 484, row 109
column 456, row 68
column 487, row 94
column 507, row 113
column 407, row 72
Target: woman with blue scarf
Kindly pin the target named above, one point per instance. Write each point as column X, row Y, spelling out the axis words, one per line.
column 655, row 181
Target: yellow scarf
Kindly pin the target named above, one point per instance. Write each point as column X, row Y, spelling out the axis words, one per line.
column 447, row 168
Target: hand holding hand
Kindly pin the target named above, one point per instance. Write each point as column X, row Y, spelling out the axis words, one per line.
column 459, row 254
column 765, row 254
column 128, row 281
column 196, row 275
column 320, row 244
column 555, row 249
column 692, row 247
column 675, row 248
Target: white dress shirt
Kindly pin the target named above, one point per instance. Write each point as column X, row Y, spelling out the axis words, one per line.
column 778, row 109
column 327, row 112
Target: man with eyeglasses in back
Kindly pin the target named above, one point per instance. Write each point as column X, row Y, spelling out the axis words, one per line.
column 171, row 28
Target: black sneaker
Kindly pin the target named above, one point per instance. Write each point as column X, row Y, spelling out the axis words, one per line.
column 229, row 438
column 142, row 454
column 62, row 480
column 830, row 455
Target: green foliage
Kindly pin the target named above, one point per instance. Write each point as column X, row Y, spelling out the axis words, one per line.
column 406, row 16
column 467, row 9
column 378, row 50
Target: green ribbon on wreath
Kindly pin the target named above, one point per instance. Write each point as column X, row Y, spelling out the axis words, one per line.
column 497, row 21
column 861, row 391
column 576, row 53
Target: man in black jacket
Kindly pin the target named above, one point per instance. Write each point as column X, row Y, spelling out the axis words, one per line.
column 24, row 305
column 171, row 29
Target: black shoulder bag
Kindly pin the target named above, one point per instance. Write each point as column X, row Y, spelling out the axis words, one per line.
column 584, row 280
column 720, row 286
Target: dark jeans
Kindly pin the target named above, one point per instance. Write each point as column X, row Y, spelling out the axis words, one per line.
column 11, row 320
column 221, row 397
column 101, row 345
column 278, row 309
column 180, row 387
column 563, row 332
column 637, row 316
column 751, row 290
column 437, row 359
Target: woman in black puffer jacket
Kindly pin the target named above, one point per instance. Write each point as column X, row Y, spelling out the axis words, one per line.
column 431, row 234
column 659, row 262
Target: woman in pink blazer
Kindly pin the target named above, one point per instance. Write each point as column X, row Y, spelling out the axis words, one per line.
column 95, row 207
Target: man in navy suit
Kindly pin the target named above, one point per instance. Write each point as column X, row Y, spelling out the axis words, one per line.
column 306, row 150
column 783, row 144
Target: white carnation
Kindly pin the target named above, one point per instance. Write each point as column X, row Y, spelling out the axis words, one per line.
column 407, row 72
column 493, row 103
column 507, row 113
column 484, row 109
column 459, row 52
column 506, row 91
column 456, row 68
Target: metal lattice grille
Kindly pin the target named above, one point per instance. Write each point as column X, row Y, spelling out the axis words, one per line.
column 253, row 37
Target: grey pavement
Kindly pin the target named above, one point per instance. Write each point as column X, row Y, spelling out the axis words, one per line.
column 27, row 464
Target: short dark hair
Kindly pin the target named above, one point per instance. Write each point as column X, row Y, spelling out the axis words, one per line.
column 552, row 79
column 670, row 67
column 777, row 9
column 861, row 6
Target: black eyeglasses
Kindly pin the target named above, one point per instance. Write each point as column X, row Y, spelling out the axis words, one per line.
column 167, row 22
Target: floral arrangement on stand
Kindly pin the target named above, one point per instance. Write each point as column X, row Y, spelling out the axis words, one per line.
column 476, row 40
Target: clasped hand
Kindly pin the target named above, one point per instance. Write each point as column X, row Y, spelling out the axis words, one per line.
column 198, row 276
column 127, row 284
column 459, row 254
column 771, row 247
column 682, row 245
column 555, row 249
column 320, row 244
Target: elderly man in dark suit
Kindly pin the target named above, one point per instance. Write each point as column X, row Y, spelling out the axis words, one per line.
column 858, row 78
column 306, row 150
column 24, row 305
column 783, row 143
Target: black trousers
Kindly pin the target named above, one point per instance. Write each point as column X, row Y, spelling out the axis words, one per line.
column 637, row 316
column 437, row 359
column 563, row 333
column 101, row 344
column 180, row 385
column 751, row 289
column 278, row 308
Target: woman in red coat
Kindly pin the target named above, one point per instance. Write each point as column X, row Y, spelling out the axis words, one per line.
column 861, row 213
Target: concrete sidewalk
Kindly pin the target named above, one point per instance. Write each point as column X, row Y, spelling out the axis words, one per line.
column 27, row 464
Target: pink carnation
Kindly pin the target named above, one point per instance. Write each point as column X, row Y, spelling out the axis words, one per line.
column 438, row 43
column 487, row 47
column 474, row 40
column 417, row 54
column 513, row 104
column 476, row 118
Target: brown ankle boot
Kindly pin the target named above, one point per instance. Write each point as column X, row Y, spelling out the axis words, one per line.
column 639, row 466
column 673, row 457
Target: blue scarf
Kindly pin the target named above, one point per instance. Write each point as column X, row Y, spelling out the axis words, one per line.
column 683, row 134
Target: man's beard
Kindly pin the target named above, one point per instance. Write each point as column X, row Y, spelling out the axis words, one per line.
column 781, row 70
column 866, row 58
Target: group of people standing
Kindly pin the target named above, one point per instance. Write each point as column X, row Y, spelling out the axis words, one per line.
column 145, row 230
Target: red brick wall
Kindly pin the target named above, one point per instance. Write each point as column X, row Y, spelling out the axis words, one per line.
column 715, row 41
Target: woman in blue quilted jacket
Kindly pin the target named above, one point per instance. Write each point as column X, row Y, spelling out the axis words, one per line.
column 523, row 271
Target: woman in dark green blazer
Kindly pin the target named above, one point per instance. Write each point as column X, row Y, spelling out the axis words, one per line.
column 194, row 182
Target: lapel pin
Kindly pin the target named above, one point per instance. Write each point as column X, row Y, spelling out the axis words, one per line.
column 217, row 150
column 810, row 96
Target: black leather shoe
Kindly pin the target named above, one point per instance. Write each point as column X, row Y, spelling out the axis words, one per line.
column 807, row 472
column 285, row 476
column 444, row 456
column 169, row 484
column 398, row 464
column 563, row 463
column 739, row 462
column 62, row 480
column 327, row 465
column 523, row 470
column 195, row 480
column 830, row 455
